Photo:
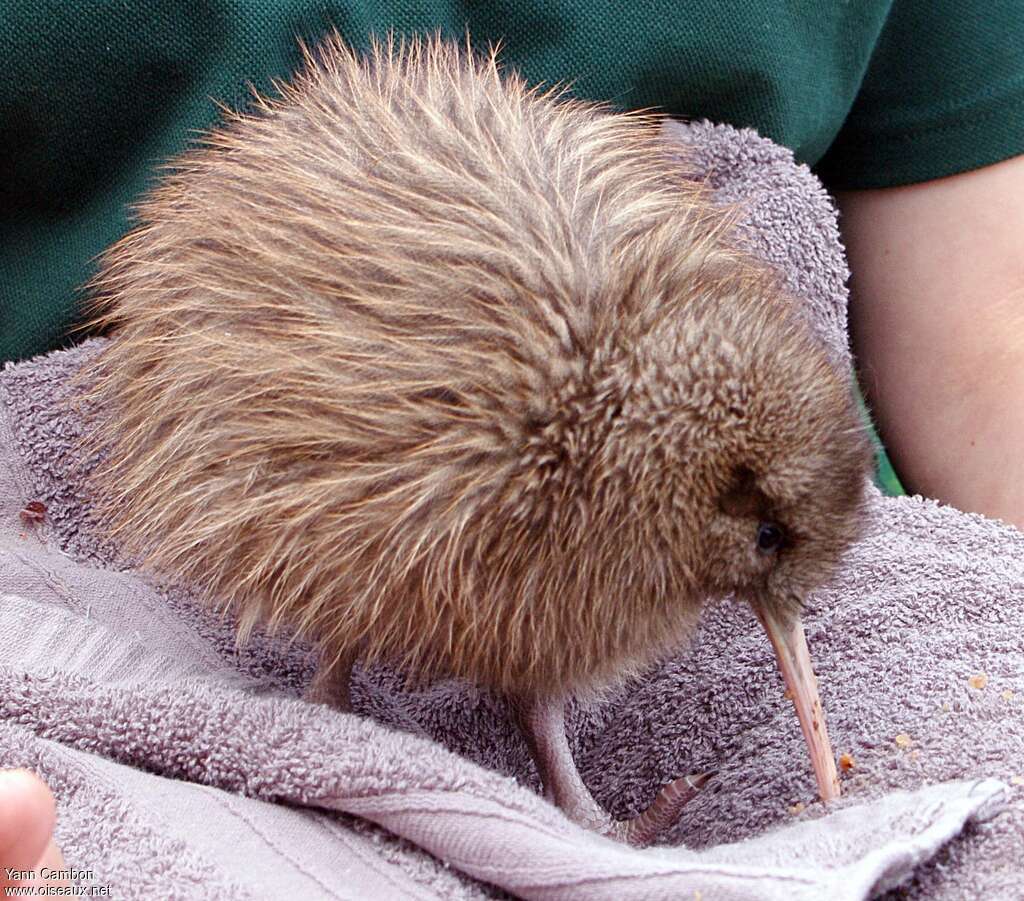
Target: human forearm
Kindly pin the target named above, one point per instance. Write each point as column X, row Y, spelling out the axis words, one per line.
column 937, row 318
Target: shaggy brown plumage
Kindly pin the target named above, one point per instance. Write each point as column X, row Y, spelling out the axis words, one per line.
column 440, row 370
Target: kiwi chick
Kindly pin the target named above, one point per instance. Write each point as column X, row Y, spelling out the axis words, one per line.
column 431, row 368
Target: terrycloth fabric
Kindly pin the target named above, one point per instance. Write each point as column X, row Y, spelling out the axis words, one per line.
column 185, row 767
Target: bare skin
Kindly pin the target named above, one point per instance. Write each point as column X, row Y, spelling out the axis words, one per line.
column 27, row 817
column 937, row 320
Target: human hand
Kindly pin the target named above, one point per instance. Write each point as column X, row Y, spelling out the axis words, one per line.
column 27, row 816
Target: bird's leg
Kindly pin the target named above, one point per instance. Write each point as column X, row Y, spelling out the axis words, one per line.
column 331, row 683
column 543, row 726
column 542, row 722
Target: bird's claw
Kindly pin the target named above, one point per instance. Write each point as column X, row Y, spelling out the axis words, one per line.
column 663, row 812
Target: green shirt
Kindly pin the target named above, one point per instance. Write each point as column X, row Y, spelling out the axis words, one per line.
column 95, row 94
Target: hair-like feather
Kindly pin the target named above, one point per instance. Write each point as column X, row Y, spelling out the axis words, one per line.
column 420, row 362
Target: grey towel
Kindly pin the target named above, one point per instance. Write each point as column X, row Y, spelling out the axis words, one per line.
column 187, row 767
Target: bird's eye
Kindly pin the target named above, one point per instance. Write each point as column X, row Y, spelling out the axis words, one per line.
column 770, row 537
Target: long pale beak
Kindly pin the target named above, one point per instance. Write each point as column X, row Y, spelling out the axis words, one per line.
column 787, row 638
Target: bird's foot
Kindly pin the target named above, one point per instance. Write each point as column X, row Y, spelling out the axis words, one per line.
column 663, row 812
column 579, row 806
column 543, row 726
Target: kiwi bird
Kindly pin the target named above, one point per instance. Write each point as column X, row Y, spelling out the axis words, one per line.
column 428, row 366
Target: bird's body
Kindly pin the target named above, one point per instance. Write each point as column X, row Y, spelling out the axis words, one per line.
column 434, row 369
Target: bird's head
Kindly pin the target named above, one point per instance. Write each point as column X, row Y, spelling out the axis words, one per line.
column 765, row 458
column 780, row 463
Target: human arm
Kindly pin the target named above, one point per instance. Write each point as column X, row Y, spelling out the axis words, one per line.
column 937, row 321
